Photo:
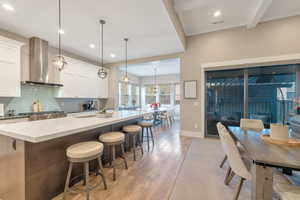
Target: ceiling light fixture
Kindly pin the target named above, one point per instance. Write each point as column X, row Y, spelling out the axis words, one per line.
column 112, row 55
column 217, row 13
column 126, row 78
column 92, row 46
column 8, row 7
column 61, row 31
column 59, row 60
column 102, row 73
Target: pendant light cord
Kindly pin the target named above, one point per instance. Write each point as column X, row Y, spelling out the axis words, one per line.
column 59, row 31
column 102, row 22
column 126, row 62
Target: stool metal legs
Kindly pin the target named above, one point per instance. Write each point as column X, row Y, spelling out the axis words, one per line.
column 149, row 136
column 68, row 179
column 86, row 172
column 113, row 157
column 136, row 141
column 86, row 176
column 101, row 173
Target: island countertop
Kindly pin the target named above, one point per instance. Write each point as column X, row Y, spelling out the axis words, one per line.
column 43, row 130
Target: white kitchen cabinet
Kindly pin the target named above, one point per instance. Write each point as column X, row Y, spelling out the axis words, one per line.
column 10, row 67
column 80, row 80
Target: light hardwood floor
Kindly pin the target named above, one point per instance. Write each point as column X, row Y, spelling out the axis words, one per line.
column 151, row 177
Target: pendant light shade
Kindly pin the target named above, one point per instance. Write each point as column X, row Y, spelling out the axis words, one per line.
column 102, row 73
column 126, row 78
column 59, row 60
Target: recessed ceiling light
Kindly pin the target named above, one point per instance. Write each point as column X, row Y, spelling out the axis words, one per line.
column 61, row 31
column 217, row 13
column 92, row 46
column 8, row 7
column 112, row 55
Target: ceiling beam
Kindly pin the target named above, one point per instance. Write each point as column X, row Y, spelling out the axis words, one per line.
column 169, row 5
column 259, row 12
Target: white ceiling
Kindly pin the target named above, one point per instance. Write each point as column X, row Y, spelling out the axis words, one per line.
column 163, row 67
column 145, row 22
column 197, row 15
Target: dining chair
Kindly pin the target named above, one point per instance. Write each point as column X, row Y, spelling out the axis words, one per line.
column 251, row 124
column 247, row 124
column 236, row 163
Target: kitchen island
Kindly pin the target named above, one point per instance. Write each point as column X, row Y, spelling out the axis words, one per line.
column 33, row 162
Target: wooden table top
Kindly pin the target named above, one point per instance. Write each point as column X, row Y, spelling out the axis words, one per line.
column 264, row 153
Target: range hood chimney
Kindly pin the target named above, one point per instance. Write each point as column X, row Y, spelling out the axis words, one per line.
column 39, row 71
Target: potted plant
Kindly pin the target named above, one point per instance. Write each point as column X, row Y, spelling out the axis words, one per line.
column 280, row 131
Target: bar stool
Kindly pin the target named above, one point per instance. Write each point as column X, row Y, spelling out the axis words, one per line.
column 111, row 140
column 148, row 126
column 133, row 131
column 84, row 152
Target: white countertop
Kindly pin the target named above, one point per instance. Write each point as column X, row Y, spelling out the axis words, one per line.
column 43, row 130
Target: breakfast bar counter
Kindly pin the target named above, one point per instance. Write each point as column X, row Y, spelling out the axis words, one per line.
column 33, row 163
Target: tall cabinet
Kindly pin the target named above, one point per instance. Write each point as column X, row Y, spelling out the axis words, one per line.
column 10, row 67
column 80, row 80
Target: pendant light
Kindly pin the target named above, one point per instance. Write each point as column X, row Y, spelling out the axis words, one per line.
column 59, row 60
column 125, row 78
column 102, row 73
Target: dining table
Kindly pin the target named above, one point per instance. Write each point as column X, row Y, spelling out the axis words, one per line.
column 265, row 158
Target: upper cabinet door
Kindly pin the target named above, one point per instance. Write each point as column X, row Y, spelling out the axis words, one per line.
column 80, row 80
column 10, row 66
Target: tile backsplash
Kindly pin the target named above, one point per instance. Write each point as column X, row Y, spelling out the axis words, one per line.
column 46, row 96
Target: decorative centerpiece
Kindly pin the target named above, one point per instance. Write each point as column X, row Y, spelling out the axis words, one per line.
column 104, row 114
column 155, row 106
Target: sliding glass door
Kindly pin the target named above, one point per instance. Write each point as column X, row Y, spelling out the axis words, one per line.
column 264, row 93
column 224, row 98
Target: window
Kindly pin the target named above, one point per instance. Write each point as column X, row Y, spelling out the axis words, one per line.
column 123, row 94
column 150, row 94
column 135, row 95
column 165, row 94
column 129, row 95
column 177, row 94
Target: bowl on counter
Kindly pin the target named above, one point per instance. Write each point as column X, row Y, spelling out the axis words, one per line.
column 105, row 115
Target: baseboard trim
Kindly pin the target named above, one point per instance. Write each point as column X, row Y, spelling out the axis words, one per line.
column 195, row 134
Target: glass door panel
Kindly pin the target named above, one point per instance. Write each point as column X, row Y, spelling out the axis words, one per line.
column 224, row 98
column 271, row 93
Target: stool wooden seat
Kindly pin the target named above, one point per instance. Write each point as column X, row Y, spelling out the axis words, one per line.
column 146, row 123
column 112, row 137
column 134, row 131
column 148, row 126
column 83, row 153
column 111, row 140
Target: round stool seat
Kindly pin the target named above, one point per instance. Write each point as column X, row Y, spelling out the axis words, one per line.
column 84, row 150
column 146, row 123
column 112, row 137
column 132, row 129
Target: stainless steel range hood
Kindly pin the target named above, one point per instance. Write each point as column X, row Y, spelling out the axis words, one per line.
column 39, row 71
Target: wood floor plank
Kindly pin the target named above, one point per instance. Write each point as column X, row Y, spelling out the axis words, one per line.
column 151, row 177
